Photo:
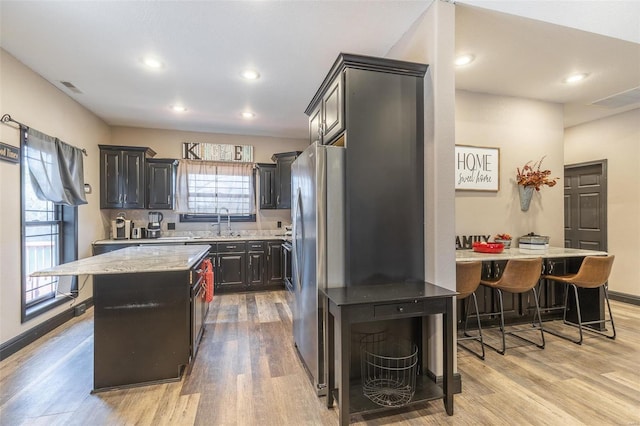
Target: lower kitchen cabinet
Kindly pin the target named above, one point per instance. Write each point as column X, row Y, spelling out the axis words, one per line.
column 256, row 267
column 251, row 265
column 275, row 263
column 231, row 266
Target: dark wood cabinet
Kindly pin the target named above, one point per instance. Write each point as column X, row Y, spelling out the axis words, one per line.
column 231, row 265
column 123, row 176
column 275, row 268
column 231, row 269
column 375, row 107
column 257, row 264
column 326, row 120
column 249, row 265
column 161, row 176
column 267, row 175
column 283, row 178
column 333, row 111
column 315, row 129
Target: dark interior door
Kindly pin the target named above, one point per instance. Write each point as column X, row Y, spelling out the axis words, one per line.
column 585, row 226
column 585, row 206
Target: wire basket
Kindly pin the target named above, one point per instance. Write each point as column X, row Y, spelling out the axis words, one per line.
column 389, row 368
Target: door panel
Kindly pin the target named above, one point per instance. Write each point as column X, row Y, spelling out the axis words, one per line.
column 585, row 205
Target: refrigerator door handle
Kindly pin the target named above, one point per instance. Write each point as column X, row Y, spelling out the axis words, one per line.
column 298, row 228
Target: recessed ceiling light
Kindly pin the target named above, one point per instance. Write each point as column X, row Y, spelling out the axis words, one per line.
column 248, row 115
column 574, row 78
column 250, row 74
column 462, row 60
column 178, row 108
column 152, row 62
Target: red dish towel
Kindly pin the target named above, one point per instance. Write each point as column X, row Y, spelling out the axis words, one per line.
column 208, row 293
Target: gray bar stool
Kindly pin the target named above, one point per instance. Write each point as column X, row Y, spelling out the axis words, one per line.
column 519, row 276
column 468, row 275
column 593, row 273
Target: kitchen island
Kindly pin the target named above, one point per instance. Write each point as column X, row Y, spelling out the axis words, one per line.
column 147, row 313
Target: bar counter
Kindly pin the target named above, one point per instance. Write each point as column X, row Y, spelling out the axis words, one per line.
column 518, row 253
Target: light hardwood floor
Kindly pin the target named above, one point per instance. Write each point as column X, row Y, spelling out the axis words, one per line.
column 247, row 373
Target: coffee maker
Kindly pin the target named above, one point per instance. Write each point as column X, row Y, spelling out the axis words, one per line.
column 121, row 228
column 153, row 228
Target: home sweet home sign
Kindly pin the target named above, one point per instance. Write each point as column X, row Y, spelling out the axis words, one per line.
column 477, row 168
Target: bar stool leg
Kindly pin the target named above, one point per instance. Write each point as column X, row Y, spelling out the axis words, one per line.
column 504, row 340
column 535, row 296
column 606, row 297
column 466, row 321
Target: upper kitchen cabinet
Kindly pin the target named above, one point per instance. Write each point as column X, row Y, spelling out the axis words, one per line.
column 326, row 119
column 283, row 162
column 267, row 175
column 123, row 176
column 161, row 177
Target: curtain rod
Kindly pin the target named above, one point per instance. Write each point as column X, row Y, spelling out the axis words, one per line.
column 6, row 118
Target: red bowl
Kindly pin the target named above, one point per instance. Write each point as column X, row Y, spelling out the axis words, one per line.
column 488, row 247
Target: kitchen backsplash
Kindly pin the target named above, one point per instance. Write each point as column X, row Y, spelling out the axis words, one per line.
column 266, row 223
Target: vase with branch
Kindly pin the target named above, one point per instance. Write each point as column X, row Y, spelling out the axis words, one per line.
column 532, row 177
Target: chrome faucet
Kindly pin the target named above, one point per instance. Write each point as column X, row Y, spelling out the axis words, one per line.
column 228, row 221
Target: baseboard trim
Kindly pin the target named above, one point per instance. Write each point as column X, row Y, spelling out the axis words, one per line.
column 623, row 297
column 14, row 345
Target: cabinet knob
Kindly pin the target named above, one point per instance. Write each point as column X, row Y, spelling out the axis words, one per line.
column 400, row 309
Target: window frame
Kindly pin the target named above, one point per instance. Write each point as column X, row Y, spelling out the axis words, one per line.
column 67, row 239
column 213, row 217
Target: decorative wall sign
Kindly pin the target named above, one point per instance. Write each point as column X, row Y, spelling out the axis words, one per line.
column 9, row 153
column 217, row 152
column 477, row 168
column 466, row 241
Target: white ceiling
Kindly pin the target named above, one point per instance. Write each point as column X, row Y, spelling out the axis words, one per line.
column 98, row 45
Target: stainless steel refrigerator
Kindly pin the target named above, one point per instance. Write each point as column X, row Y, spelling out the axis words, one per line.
column 318, row 213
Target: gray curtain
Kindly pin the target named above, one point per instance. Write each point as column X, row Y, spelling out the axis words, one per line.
column 56, row 169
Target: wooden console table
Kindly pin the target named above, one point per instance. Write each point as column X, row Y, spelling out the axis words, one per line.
column 367, row 303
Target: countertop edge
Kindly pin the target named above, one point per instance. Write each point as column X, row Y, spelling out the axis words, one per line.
column 131, row 260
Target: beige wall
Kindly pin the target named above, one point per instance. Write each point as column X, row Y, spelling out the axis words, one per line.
column 616, row 139
column 524, row 130
column 168, row 144
column 431, row 40
column 33, row 101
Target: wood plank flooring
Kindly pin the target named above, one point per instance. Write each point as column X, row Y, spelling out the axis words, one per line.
column 247, row 373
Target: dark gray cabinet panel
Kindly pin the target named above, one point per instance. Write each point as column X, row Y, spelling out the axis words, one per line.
column 376, row 107
column 267, row 174
column 315, row 119
column 161, row 183
column 123, row 176
column 283, row 178
column 231, row 269
column 384, row 176
column 332, row 111
column 275, row 268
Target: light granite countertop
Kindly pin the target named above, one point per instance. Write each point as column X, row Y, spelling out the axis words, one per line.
column 178, row 239
column 134, row 259
column 518, row 253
